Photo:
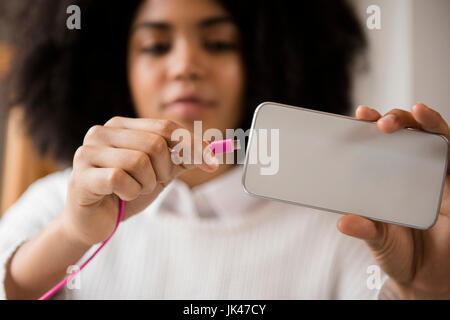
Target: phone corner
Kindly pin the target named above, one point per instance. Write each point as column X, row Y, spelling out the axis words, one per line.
column 433, row 222
column 262, row 105
column 444, row 138
column 244, row 186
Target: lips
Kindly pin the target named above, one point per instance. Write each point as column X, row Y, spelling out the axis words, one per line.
column 188, row 106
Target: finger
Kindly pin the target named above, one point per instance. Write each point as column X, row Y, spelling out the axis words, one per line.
column 100, row 182
column 445, row 203
column 152, row 144
column 358, row 227
column 397, row 119
column 201, row 155
column 366, row 113
column 135, row 163
column 430, row 120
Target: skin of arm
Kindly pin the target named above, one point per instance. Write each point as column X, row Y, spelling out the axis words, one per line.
column 41, row 262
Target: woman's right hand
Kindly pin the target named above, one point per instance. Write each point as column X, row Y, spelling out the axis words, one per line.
column 127, row 159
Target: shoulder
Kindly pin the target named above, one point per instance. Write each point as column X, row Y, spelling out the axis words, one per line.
column 51, row 188
column 43, row 199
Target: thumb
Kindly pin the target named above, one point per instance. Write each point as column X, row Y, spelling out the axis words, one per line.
column 362, row 228
column 392, row 246
column 208, row 161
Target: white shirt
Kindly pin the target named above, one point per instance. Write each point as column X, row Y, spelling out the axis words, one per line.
column 210, row 242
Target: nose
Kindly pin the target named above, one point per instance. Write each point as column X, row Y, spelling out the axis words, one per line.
column 186, row 61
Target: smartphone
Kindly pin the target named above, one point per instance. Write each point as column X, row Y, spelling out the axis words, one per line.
column 340, row 164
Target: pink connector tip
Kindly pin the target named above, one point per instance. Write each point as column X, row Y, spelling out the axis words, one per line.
column 220, row 146
column 225, row 146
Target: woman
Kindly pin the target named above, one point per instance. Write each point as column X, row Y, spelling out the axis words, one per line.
column 188, row 230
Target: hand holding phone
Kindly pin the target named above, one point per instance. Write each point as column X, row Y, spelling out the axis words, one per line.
column 344, row 165
column 416, row 261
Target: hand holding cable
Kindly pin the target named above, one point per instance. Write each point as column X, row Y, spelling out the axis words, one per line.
column 127, row 159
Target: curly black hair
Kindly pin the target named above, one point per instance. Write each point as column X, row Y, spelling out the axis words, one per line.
column 295, row 52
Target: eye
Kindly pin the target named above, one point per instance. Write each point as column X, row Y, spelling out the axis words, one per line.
column 220, row 46
column 157, row 49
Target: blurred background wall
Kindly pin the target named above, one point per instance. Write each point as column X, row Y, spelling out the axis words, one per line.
column 8, row 10
column 409, row 57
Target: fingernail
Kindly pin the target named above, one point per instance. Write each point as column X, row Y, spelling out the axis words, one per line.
column 210, row 159
column 417, row 106
column 390, row 117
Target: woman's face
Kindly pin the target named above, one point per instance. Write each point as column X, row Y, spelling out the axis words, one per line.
column 184, row 63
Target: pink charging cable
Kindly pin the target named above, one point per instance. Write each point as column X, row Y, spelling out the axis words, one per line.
column 217, row 147
column 56, row 288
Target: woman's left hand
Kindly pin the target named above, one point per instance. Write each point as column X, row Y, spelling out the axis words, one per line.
column 416, row 261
